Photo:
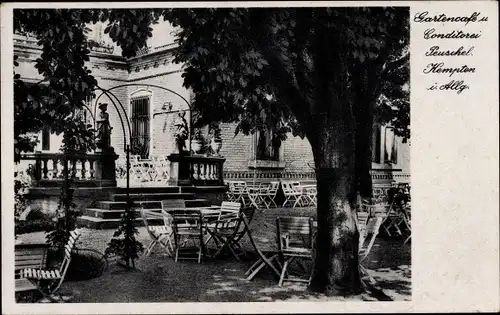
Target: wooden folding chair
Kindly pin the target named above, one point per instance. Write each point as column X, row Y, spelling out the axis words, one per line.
column 230, row 191
column 406, row 213
column 240, row 192
column 295, row 241
column 188, row 226
column 32, row 256
column 161, row 168
column 291, row 192
column 311, row 195
column 137, row 168
column 253, row 194
column 48, row 281
column 230, row 208
column 271, row 192
column 367, row 237
column 361, row 220
column 226, row 233
column 159, row 234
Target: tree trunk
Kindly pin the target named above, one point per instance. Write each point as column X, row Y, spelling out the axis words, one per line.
column 333, row 142
column 364, row 130
column 336, row 268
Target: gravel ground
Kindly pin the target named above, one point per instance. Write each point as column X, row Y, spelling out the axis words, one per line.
column 160, row 279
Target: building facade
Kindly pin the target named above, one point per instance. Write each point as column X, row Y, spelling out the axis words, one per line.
column 146, row 93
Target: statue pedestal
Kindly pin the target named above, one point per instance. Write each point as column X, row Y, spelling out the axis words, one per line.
column 105, row 167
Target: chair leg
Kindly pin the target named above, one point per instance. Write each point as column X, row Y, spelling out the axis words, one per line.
column 282, row 277
column 148, row 250
column 231, row 249
column 257, row 263
column 171, row 246
column 253, row 273
column 365, row 271
column 407, row 239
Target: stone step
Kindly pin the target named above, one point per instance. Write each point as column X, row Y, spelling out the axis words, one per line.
column 138, row 190
column 106, row 214
column 152, row 196
column 153, row 204
column 100, row 223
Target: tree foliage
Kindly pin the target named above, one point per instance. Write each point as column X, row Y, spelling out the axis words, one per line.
column 66, row 82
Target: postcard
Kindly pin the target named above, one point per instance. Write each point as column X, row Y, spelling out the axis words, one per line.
column 250, row 157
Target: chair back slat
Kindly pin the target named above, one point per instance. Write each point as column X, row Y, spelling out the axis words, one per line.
column 33, row 257
column 239, row 186
column 153, row 231
column 230, row 206
column 272, row 189
column 287, row 187
column 186, row 221
column 296, row 230
column 68, row 250
column 186, row 216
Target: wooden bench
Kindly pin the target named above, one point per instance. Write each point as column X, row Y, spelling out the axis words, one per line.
column 28, row 256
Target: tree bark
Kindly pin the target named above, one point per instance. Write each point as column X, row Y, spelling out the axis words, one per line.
column 364, row 131
column 336, row 268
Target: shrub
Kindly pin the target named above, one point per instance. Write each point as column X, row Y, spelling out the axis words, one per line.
column 36, row 221
column 85, row 265
column 25, row 227
column 22, row 184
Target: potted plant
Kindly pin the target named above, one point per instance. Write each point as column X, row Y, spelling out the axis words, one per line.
column 181, row 134
column 198, row 141
column 216, row 143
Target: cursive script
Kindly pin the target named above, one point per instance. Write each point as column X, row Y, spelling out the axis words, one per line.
column 444, row 62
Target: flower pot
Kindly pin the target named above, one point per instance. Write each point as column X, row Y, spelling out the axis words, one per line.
column 196, row 146
column 216, row 145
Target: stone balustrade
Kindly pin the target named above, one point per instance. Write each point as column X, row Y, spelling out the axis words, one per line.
column 196, row 170
column 88, row 169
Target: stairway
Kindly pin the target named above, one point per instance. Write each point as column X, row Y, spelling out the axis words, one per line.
column 107, row 214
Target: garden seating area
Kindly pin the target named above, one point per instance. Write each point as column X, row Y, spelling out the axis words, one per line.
column 151, row 171
column 223, row 277
column 270, row 247
column 263, row 194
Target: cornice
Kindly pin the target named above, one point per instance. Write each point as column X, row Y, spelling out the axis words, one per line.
column 151, row 57
column 141, row 78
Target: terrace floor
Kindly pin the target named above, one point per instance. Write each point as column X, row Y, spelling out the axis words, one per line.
column 159, row 279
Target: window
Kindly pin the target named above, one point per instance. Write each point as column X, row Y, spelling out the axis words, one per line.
column 140, row 138
column 268, row 148
column 390, row 148
column 384, row 145
column 45, row 139
column 376, row 143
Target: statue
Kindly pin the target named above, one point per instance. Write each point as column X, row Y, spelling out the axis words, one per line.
column 103, row 129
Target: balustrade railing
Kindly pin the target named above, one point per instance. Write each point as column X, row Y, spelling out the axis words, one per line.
column 196, row 170
column 53, row 166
